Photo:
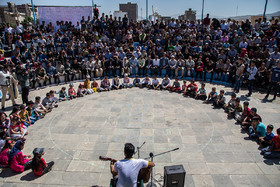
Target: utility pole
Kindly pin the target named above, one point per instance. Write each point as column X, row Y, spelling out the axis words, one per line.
column 147, row 14
column 33, row 14
column 202, row 10
column 265, row 8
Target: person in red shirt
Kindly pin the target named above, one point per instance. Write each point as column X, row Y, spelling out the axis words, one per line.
column 191, row 89
column 39, row 166
column 274, row 150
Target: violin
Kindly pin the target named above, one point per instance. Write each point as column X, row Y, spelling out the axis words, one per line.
column 144, row 174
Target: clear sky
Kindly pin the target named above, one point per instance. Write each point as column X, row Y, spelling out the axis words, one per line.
column 216, row 8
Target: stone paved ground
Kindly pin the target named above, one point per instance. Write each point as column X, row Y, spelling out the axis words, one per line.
column 212, row 150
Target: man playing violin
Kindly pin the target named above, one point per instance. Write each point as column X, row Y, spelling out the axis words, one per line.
column 128, row 168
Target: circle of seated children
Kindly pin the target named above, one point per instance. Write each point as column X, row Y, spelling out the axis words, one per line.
column 13, row 129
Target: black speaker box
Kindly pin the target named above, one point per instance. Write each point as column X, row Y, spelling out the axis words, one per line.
column 174, row 176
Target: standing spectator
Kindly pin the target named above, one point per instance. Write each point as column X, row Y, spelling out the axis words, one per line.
column 251, row 71
column 5, row 83
column 239, row 75
column 274, row 80
column 206, row 21
column 23, row 78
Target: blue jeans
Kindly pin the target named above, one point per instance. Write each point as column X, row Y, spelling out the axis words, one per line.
column 272, row 154
column 238, row 83
column 253, row 134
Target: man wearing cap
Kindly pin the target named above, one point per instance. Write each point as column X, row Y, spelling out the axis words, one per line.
column 257, row 129
column 274, row 80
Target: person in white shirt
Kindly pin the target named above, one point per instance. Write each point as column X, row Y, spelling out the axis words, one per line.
column 155, row 83
column 41, row 40
column 251, row 71
column 165, row 84
column 19, row 28
column 5, row 83
column 78, row 26
column 128, row 168
column 156, row 65
column 9, row 29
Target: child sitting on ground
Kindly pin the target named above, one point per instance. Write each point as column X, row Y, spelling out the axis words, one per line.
column 71, row 91
column 245, row 112
column 62, row 94
column 248, row 120
column 48, row 103
column 191, row 89
column 145, row 82
column 53, row 98
column 38, row 164
column 267, row 140
column 23, row 114
column 220, row 101
column 95, row 86
column 14, row 113
column 176, row 86
column 87, row 85
column 155, row 83
column 126, row 81
column 136, row 81
column 201, row 93
column 184, row 86
column 17, row 131
column 81, row 91
column 212, row 96
column 33, row 114
column 4, row 160
column 165, row 83
column 105, row 84
column 116, row 83
column 39, row 107
column 231, row 104
column 274, row 150
column 236, row 109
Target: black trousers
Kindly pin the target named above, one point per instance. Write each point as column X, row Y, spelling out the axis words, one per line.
column 275, row 87
column 24, row 94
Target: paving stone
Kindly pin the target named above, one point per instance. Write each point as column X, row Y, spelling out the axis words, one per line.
column 222, row 180
column 212, row 148
column 251, row 180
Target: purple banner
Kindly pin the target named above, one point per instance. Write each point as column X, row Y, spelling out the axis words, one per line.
column 73, row 14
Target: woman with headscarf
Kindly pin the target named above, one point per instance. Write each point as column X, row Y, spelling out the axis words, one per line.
column 18, row 161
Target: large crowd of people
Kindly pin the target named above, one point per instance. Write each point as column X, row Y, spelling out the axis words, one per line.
column 226, row 51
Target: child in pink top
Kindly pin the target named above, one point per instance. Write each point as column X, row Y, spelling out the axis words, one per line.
column 72, row 92
column 19, row 162
column 4, row 160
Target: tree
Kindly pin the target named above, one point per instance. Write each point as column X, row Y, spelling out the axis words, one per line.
column 28, row 20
